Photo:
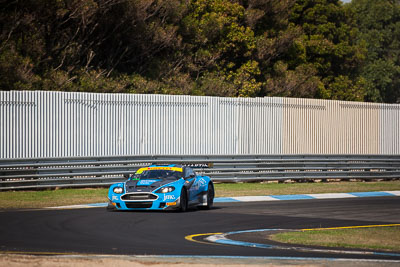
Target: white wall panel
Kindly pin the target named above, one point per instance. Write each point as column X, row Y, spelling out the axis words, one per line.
column 65, row 124
column 315, row 126
column 389, row 129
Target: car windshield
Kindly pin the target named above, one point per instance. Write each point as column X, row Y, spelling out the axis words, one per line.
column 148, row 173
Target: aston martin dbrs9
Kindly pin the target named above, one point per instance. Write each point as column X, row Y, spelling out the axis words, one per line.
column 162, row 187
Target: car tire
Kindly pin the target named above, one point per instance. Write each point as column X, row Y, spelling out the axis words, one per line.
column 210, row 196
column 183, row 200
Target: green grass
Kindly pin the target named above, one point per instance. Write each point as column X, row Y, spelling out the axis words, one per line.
column 49, row 198
column 380, row 238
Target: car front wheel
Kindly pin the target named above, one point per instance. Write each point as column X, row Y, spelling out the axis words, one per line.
column 210, row 196
column 184, row 201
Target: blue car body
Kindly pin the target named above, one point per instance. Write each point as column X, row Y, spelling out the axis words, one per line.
column 162, row 187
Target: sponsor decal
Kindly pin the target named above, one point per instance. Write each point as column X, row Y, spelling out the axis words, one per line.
column 115, row 198
column 200, row 165
column 168, row 197
column 146, row 182
column 200, row 182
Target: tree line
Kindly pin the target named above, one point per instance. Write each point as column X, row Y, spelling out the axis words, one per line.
column 238, row 48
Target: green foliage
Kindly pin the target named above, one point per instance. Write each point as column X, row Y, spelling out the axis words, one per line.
column 214, row 84
column 300, row 82
column 344, row 89
column 328, row 36
column 379, row 30
column 221, row 43
column 294, row 48
column 383, row 80
column 16, row 70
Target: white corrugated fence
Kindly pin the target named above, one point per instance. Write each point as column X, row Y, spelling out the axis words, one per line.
column 68, row 124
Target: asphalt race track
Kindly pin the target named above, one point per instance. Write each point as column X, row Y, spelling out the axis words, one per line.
column 96, row 231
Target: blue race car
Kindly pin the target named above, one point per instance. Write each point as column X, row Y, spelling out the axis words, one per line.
column 162, row 187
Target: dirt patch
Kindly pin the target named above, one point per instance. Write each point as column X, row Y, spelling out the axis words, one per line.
column 12, row 260
column 16, row 260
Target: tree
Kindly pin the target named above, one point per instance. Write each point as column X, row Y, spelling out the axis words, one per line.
column 379, row 29
column 58, row 45
column 294, row 48
column 221, row 45
column 329, row 47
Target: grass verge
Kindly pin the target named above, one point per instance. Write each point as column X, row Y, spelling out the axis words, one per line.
column 379, row 238
column 51, row 198
column 60, row 197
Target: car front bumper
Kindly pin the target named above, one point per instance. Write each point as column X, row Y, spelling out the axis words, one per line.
column 144, row 205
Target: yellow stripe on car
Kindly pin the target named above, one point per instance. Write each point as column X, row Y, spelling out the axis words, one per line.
column 159, row 168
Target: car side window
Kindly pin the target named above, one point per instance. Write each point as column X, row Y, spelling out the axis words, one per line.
column 189, row 172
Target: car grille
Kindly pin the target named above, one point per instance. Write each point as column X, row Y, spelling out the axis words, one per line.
column 139, row 205
column 138, row 197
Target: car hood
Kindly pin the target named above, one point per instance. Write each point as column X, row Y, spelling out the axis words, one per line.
column 145, row 185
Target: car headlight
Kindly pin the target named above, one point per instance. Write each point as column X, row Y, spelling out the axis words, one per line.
column 118, row 190
column 166, row 189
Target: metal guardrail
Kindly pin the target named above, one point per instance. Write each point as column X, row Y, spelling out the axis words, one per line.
column 41, row 173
